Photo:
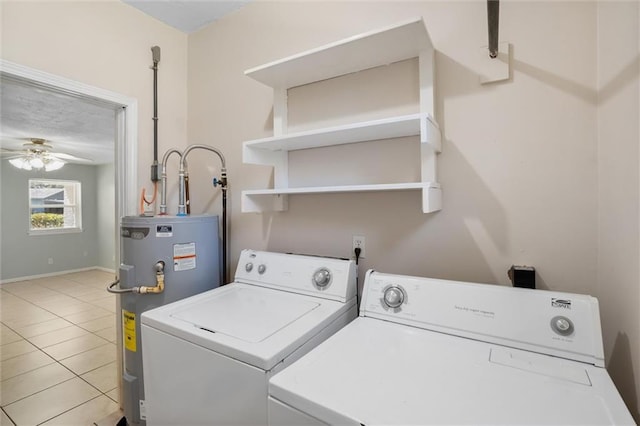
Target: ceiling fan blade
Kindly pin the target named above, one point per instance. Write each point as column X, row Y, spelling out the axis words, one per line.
column 9, row 151
column 69, row 157
column 8, row 156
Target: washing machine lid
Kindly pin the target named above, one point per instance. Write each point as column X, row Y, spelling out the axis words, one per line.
column 256, row 325
column 374, row 372
column 244, row 314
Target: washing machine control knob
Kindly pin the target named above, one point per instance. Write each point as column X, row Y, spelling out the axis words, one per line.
column 393, row 296
column 262, row 268
column 248, row 267
column 562, row 325
column 322, row 278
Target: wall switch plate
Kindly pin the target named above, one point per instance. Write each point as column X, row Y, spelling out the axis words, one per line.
column 358, row 241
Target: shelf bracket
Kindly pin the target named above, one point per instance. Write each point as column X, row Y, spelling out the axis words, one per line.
column 431, row 200
column 280, row 112
column 426, row 70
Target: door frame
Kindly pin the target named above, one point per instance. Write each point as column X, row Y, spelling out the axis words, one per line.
column 126, row 147
column 126, row 134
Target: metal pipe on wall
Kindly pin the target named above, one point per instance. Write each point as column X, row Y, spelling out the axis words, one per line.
column 182, row 207
column 493, row 21
column 163, row 183
column 155, row 52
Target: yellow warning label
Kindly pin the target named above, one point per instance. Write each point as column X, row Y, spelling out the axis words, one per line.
column 129, row 330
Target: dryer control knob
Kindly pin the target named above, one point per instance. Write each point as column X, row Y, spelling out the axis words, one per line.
column 248, row 267
column 393, row 297
column 562, row 325
column 322, row 278
column 262, row 268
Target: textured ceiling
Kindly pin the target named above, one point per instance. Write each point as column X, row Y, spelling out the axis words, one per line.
column 187, row 15
column 72, row 125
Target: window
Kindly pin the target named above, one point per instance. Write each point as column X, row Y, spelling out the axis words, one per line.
column 54, row 206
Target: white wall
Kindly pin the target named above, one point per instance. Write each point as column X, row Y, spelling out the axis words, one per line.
column 519, row 167
column 618, row 189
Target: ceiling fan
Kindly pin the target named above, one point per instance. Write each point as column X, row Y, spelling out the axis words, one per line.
column 38, row 155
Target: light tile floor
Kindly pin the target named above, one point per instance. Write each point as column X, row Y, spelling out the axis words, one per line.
column 58, row 350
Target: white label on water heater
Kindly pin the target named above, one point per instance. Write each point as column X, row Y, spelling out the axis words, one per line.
column 184, row 256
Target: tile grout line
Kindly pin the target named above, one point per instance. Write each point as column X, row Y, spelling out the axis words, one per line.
column 37, row 392
column 8, row 416
column 59, row 317
column 75, row 375
column 72, row 408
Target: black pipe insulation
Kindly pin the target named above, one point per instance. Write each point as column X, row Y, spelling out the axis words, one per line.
column 225, row 280
column 493, row 21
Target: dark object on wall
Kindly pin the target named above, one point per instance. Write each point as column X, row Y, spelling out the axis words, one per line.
column 522, row 276
column 493, row 21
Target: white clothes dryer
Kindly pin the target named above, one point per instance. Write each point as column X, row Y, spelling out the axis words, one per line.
column 208, row 358
column 426, row 351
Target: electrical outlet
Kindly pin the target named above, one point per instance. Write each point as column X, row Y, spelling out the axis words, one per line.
column 358, row 241
column 50, row 261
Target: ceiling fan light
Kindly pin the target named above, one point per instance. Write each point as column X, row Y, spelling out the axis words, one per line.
column 36, row 162
column 18, row 162
column 36, row 156
column 52, row 165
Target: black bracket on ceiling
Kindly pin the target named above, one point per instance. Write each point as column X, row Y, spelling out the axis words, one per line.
column 493, row 20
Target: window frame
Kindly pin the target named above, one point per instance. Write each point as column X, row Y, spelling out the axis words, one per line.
column 77, row 207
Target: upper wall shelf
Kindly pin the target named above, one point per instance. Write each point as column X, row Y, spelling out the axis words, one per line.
column 388, row 45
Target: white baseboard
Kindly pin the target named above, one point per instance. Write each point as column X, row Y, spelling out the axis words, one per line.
column 53, row 274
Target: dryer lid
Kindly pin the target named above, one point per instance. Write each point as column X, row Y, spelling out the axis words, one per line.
column 376, row 372
column 245, row 314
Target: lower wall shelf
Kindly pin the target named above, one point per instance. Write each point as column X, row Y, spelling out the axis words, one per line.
column 276, row 199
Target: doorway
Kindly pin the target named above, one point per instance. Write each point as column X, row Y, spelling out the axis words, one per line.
column 125, row 161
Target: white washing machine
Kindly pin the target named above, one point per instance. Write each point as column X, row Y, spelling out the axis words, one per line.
column 426, row 351
column 208, row 358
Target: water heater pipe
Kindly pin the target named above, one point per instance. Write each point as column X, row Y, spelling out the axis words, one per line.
column 155, row 52
column 158, row 288
column 223, row 185
column 163, row 185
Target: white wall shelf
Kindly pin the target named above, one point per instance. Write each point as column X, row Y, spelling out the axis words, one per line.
column 272, row 199
column 385, row 46
column 386, row 128
column 391, row 44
